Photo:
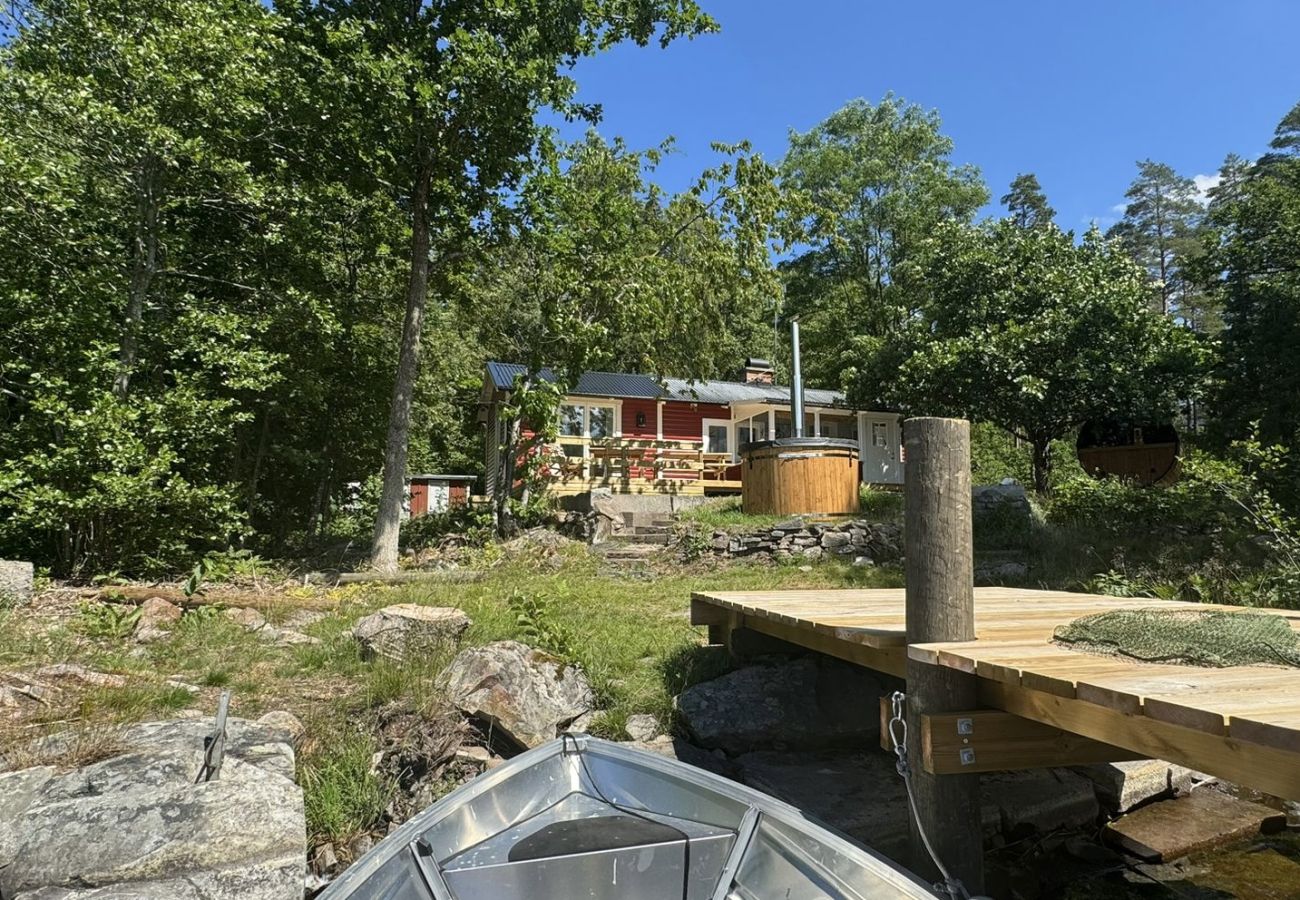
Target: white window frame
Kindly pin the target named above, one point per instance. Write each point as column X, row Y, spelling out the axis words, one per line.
column 616, row 410
column 705, row 424
column 748, row 422
column 584, row 439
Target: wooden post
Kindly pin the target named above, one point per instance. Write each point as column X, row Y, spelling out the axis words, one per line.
column 939, row 569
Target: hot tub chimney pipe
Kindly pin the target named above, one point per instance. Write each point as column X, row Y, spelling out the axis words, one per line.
column 796, row 380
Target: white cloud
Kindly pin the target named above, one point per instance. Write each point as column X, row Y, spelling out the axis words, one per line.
column 1204, row 183
column 1119, row 208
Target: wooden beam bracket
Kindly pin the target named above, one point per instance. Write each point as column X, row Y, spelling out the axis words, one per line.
column 989, row 740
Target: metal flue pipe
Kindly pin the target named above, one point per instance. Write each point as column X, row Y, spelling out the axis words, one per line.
column 796, row 380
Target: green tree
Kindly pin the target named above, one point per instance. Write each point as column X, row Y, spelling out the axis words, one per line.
column 1160, row 230
column 874, row 182
column 136, row 145
column 1025, row 329
column 1256, row 261
column 1026, row 203
column 611, row 272
column 441, row 99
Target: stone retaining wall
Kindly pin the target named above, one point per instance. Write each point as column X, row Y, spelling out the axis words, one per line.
column 866, row 543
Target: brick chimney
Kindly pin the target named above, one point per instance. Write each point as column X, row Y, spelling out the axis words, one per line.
column 758, row 371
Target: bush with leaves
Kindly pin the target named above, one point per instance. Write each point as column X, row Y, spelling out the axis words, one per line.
column 1197, row 501
column 462, row 526
column 535, row 619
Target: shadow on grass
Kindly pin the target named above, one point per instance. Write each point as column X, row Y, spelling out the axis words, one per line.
column 691, row 664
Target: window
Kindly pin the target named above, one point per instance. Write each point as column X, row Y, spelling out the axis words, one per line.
column 784, row 425
column 751, row 430
column 600, row 421
column 571, row 420
column 843, row 427
column 715, row 439
column 879, row 434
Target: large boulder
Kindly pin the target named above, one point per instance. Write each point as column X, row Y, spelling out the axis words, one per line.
column 803, row 704
column 1038, row 801
column 16, row 579
column 157, row 618
column 407, row 630
column 524, row 693
column 135, row 825
column 675, row 748
column 1122, row 786
column 862, row 795
column 858, row 793
column 1006, row 502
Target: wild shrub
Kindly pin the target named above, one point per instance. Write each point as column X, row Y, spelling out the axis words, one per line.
column 694, row 542
column 470, row 527
column 535, row 619
column 1198, row 501
column 114, row 492
column 106, row 620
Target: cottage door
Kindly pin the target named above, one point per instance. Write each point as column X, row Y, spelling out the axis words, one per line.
column 881, row 450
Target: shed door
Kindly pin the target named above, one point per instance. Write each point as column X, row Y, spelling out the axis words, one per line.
column 439, row 497
column 881, row 450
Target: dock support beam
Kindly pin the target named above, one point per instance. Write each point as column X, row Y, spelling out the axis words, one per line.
column 939, row 568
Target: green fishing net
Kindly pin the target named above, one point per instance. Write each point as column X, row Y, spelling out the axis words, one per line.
column 1187, row 637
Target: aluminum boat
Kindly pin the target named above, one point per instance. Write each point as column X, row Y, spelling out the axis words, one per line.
column 585, row 819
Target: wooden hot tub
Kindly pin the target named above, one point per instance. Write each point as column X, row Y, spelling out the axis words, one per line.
column 789, row 476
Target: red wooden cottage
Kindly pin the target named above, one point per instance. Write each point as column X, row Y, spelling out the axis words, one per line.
column 638, row 434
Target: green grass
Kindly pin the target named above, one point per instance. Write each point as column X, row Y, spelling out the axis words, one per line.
column 343, row 797
column 725, row 514
column 134, row 702
column 631, row 634
column 880, row 505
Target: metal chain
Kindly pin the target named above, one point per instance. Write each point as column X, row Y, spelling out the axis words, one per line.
column 950, row 886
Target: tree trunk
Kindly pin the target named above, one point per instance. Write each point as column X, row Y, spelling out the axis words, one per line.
column 144, row 264
column 259, row 456
column 383, row 552
column 1042, row 465
column 505, row 488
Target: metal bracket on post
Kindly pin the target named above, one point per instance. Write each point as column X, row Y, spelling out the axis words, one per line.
column 214, row 745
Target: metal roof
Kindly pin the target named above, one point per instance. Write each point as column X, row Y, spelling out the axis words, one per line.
column 503, row 375
column 616, row 384
column 442, row 477
column 590, row 384
column 627, row 385
column 727, row 392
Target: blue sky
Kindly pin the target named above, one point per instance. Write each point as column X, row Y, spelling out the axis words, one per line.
column 1074, row 92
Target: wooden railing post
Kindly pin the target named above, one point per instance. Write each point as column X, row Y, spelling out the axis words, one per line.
column 939, row 568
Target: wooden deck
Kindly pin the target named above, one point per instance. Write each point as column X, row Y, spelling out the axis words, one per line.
column 1241, row 723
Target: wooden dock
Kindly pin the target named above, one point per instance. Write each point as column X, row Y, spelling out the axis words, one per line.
column 1241, row 724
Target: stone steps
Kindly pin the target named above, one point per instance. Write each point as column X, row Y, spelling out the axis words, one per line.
column 624, row 551
column 658, row 539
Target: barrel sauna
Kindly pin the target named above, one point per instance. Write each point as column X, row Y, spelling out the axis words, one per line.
column 1142, row 454
column 793, row 476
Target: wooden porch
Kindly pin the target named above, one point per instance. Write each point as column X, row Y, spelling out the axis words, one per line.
column 641, row 466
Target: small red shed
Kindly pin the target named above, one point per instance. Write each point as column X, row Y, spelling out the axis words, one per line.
column 438, row 493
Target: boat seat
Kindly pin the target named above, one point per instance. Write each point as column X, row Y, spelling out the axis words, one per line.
column 585, row 847
column 592, row 835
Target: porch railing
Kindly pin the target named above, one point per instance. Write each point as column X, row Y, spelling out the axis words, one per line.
column 631, row 459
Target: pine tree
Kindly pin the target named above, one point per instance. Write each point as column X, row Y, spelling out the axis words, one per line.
column 1160, row 231
column 1026, row 202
